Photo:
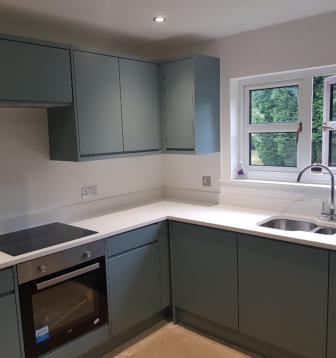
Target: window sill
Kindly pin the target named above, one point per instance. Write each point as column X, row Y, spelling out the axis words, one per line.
column 277, row 185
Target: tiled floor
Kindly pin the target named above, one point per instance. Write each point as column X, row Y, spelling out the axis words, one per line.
column 174, row 341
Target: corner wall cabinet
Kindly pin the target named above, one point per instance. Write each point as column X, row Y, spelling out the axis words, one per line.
column 35, row 74
column 116, row 109
column 190, row 104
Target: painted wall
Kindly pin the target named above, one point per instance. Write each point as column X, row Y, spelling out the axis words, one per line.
column 294, row 45
column 30, row 183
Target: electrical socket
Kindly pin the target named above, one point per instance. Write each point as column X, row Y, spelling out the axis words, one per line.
column 89, row 191
column 206, row 180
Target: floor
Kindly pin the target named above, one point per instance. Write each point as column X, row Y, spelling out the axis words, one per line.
column 175, row 341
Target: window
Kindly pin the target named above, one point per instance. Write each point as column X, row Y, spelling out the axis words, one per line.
column 329, row 122
column 285, row 122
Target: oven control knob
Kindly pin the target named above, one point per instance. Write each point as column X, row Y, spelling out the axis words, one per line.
column 87, row 254
column 43, row 268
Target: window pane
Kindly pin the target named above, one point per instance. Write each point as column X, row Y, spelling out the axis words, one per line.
column 333, row 103
column 318, row 96
column 273, row 149
column 332, row 149
column 274, row 105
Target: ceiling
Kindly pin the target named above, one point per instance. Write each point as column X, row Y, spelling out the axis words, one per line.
column 187, row 19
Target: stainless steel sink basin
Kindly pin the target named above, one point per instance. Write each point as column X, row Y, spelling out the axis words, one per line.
column 326, row 230
column 289, row 225
column 298, row 225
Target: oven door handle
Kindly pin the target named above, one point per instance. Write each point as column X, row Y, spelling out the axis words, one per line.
column 67, row 276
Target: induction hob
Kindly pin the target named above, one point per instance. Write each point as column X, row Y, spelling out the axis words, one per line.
column 40, row 237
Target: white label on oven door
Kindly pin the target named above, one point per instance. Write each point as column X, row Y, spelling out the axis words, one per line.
column 42, row 334
column 96, row 321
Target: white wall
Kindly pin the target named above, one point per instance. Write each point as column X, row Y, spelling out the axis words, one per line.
column 30, row 183
column 294, row 45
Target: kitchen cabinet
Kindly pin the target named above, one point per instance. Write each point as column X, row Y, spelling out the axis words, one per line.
column 116, row 110
column 9, row 329
column 190, row 104
column 134, row 287
column 332, row 307
column 139, row 83
column 34, row 73
column 204, row 263
column 283, row 294
column 98, row 103
column 138, row 276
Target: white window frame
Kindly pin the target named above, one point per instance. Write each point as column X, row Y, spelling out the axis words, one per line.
column 327, row 125
column 304, row 80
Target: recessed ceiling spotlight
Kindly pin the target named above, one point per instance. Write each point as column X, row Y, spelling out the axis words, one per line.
column 159, row 19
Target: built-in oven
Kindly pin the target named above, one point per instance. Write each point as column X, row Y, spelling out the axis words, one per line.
column 62, row 296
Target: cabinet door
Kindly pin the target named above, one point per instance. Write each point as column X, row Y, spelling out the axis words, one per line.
column 283, row 291
column 98, row 104
column 34, row 73
column 178, row 108
column 134, row 287
column 140, row 105
column 332, row 307
column 9, row 332
column 205, row 272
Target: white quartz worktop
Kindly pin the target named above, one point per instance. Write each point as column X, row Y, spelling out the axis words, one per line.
column 218, row 216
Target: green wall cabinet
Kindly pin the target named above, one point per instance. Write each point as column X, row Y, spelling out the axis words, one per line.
column 204, row 265
column 139, row 83
column 116, row 110
column 283, row 294
column 190, row 104
column 35, row 74
column 98, row 103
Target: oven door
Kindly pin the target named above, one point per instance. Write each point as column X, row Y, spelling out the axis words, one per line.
column 63, row 306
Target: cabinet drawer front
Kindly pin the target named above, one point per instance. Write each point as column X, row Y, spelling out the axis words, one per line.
column 132, row 239
column 34, row 73
column 6, row 281
column 134, row 286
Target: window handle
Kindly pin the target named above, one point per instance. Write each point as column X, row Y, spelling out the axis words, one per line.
column 325, row 127
column 299, row 130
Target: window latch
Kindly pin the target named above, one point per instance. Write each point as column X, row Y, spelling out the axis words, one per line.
column 299, row 130
column 325, row 127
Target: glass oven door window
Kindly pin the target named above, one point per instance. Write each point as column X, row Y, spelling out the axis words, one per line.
column 54, row 312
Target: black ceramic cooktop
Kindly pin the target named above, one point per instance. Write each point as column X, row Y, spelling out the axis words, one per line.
column 23, row 241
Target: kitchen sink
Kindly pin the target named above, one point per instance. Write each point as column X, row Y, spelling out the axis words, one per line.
column 289, row 225
column 298, row 225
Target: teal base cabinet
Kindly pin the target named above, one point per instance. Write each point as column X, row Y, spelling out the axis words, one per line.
column 332, row 307
column 134, row 271
column 190, row 104
column 204, row 263
column 283, row 294
column 9, row 326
